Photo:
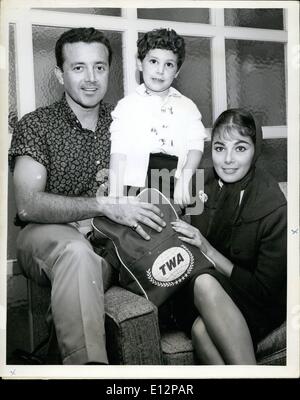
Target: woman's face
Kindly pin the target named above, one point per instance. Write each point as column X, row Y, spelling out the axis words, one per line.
column 232, row 155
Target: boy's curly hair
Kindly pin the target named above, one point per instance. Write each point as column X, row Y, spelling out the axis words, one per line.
column 166, row 39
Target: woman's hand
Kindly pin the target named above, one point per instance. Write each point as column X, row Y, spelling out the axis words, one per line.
column 192, row 236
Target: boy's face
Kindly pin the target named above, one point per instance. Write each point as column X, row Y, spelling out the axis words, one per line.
column 85, row 73
column 159, row 68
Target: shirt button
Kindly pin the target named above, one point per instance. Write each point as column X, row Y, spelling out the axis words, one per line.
column 97, row 162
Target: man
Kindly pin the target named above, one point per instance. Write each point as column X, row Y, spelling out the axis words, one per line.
column 56, row 153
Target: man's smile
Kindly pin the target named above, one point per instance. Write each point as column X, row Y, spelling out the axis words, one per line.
column 88, row 89
column 158, row 80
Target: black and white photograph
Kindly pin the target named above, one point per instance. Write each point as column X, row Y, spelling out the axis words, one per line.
column 149, row 190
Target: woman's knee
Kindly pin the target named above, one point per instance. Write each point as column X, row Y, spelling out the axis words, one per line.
column 206, row 289
column 198, row 329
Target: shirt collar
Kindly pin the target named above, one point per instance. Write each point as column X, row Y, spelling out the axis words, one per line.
column 142, row 90
column 70, row 115
column 68, row 112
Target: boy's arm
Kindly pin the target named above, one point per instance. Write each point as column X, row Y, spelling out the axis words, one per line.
column 195, row 136
column 116, row 174
column 192, row 163
column 181, row 191
column 120, row 138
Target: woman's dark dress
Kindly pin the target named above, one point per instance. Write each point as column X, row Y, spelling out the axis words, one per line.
column 257, row 248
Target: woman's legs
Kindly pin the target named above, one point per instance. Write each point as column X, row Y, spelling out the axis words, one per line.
column 206, row 351
column 225, row 325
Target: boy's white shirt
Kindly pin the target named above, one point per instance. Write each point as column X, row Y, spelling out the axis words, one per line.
column 141, row 119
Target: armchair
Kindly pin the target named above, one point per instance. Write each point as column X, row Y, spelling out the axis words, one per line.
column 133, row 333
column 134, row 336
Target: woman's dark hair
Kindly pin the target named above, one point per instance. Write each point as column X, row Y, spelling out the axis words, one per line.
column 235, row 119
column 86, row 35
column 166, row 39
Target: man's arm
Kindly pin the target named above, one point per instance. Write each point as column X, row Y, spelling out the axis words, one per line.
column 35, row 205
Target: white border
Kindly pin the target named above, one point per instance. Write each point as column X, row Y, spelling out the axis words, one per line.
column 293, row 319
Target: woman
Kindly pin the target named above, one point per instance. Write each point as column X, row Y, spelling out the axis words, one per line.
column 243, row 231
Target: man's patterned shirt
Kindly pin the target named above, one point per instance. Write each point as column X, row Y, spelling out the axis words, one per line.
column 72, row 155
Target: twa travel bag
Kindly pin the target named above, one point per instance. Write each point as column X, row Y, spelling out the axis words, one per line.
column 154, row 268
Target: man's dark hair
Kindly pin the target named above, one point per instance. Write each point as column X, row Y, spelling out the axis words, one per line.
column 86, row 35
column 166, row 39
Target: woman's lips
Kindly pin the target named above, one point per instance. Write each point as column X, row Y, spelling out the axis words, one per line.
column 229, row 171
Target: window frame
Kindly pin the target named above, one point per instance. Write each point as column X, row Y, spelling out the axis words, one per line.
column 129, row 25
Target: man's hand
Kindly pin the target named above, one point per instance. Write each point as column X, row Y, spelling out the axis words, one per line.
column 131, row 212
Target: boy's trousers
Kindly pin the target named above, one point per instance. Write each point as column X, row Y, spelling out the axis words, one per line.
column 59, row 255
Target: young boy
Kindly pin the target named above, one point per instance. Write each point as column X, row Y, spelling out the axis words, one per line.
column 156, row 119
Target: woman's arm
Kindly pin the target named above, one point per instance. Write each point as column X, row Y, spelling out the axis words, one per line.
column 194, row 237
column 269, row 274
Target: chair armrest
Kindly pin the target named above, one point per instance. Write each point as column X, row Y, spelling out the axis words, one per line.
column 132, row 331
column 39, row 298
column 272, row 349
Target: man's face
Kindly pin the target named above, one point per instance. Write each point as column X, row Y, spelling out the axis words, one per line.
column 85, row 73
